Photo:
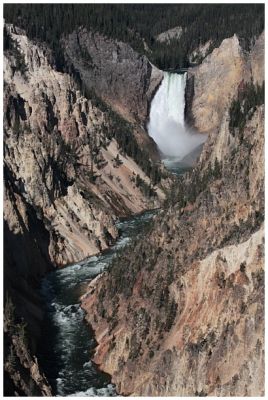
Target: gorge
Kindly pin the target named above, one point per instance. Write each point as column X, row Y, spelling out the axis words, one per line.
column 67, row 368
column 134, row 200
column 183, row 307
column 66, row 364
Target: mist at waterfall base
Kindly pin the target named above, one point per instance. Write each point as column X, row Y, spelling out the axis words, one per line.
column 167, row 126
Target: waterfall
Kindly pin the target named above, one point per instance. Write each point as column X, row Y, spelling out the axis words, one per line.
column 166, row 124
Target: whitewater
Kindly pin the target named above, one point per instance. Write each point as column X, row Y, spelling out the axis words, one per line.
column 167, row 123
column 67, row 343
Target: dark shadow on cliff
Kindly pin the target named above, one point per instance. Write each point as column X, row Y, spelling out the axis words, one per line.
column 26, row 260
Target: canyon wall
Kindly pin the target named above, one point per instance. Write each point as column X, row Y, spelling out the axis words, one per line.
column 121, row 76
column 65, row 159
column 181, row 312
column 72, row 166
column 213, row 84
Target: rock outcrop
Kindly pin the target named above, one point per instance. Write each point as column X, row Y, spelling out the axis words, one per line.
column 213, row 84
column 186, row 316
column 200, row 52
column 123, row 78
column 22, row 373
column 62, row 153
column 256, row 60
column 72, row 167
column 170, row 34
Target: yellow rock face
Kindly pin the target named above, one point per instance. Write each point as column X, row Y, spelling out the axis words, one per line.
column 216, row 80
column 182, row 313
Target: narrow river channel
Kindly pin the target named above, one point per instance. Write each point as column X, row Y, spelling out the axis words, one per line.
column 67, row 342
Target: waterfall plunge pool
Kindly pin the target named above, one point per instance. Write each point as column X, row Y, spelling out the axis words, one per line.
column 178, row 144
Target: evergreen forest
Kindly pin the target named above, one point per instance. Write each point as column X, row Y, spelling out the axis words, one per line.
column 139, row 25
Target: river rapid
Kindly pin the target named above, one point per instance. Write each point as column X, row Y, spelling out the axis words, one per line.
column 67, row 341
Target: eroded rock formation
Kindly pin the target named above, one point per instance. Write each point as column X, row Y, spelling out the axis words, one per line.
column 63, row 158
column 182, row 311
column 121, row 76
column 72, row 167
column 213, row 84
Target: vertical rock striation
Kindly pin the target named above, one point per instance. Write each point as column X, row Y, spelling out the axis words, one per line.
column 213, row 84
column 68, row 177
column 181, row 313
column 60, row 150
column 120, row 76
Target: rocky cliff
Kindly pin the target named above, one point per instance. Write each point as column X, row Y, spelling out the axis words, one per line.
column 65, row 156
column 123, row 78
column 21, row 370
column 213, row 84
column 181, row 312
column 72, row 167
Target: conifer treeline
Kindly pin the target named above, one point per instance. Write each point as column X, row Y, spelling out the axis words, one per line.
column 134, row 22
column 243, row 108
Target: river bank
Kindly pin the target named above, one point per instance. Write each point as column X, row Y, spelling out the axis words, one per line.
column 68, row 342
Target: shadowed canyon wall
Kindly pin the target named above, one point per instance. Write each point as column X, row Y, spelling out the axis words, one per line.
column 122, row 77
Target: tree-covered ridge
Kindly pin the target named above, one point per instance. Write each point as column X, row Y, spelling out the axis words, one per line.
column 134, row 23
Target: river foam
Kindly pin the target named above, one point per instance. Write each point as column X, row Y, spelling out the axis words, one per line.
column 67, row 342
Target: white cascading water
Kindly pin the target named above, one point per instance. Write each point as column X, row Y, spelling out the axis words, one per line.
column 166, row 125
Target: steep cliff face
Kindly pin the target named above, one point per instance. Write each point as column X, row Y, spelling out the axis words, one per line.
column 256, row 60
column 220, row 141
column 65, row 157
column 182, row 311
column 123, row 78
column 170, row 34
column 213, row 84
column 186, row 316
column 72, row 167
column 21, row 370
